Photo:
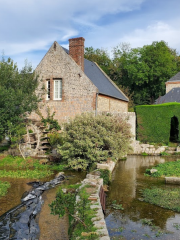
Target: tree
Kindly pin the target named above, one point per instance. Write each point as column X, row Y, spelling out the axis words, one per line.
column 17, row 96
column 100, row 56
column 145, row 70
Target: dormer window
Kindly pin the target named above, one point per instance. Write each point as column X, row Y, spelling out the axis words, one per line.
column 57, row 89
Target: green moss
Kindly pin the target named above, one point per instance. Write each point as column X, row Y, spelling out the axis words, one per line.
column 154, row 121
column 144, row 154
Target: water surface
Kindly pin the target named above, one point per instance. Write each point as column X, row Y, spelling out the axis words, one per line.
column 127, row 181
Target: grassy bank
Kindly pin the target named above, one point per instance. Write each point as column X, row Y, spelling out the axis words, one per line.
column 168, row 199
column 168, row 169
column 28, row 168
column 3, row 188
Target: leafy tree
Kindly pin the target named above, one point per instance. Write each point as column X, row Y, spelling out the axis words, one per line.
column 17, row 97
column 145, row 70
column 100, row 56
column 89, row 140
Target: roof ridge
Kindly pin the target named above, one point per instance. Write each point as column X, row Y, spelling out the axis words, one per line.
column 174, row 78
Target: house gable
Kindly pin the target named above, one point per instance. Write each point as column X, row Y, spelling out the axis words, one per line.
column 70, row 90
column 78, row 92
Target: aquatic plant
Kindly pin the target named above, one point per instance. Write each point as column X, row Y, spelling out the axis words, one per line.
column 166, row 169
column 33, row 174
column 3, row 188
column 168, row 199
column 117, row 206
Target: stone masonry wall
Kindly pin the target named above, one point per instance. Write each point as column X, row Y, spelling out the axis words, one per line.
column 172, row 85
column 98, row 221
column 140, row 148
column 78, row 92
column 110, row 104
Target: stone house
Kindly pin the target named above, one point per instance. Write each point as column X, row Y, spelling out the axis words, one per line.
column 75, row 85
column 172, row 90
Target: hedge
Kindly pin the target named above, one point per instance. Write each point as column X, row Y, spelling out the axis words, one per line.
column 154, row 121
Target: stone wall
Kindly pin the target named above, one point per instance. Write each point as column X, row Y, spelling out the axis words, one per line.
column 140, row 148
column 96, row 182
column 172, row 180
column 78, row 92
column 171, row 85
column 110, row 104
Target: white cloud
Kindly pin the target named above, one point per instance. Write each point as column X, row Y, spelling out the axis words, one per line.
column 155, row 32
column 28, row 28
column 25, row 25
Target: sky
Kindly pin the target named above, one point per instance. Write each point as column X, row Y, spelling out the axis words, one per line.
column 29, row 27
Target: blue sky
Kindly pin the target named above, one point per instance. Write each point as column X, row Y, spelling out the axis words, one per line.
column 29, row 27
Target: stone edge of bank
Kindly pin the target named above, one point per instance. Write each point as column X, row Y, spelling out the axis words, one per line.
column 97, row 182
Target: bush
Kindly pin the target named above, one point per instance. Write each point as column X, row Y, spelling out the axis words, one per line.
column 55, row 138
column 154, row 121
column 90, row 139
column 106, row 175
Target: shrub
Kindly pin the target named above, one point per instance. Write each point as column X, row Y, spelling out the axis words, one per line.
column 55, row 138
column 90, row 139
column 106, row 175
column 154, row 121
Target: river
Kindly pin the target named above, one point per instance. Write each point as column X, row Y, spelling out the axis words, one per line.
column 127, row 181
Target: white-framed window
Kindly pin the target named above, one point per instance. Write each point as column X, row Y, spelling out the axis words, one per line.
column 57, row 89
column 48, row 89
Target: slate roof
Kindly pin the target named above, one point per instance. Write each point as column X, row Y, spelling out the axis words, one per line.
column 104, row 84
column 171, row 96
column 175, row 78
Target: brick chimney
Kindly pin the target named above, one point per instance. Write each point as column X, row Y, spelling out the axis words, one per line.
column 76, row 50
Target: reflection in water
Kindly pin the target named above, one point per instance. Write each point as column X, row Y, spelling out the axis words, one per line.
column 127, row 181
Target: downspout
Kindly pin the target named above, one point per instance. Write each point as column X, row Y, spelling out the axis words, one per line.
column 96, row 103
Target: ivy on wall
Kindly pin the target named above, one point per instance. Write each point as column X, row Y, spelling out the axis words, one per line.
column 154, row 122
